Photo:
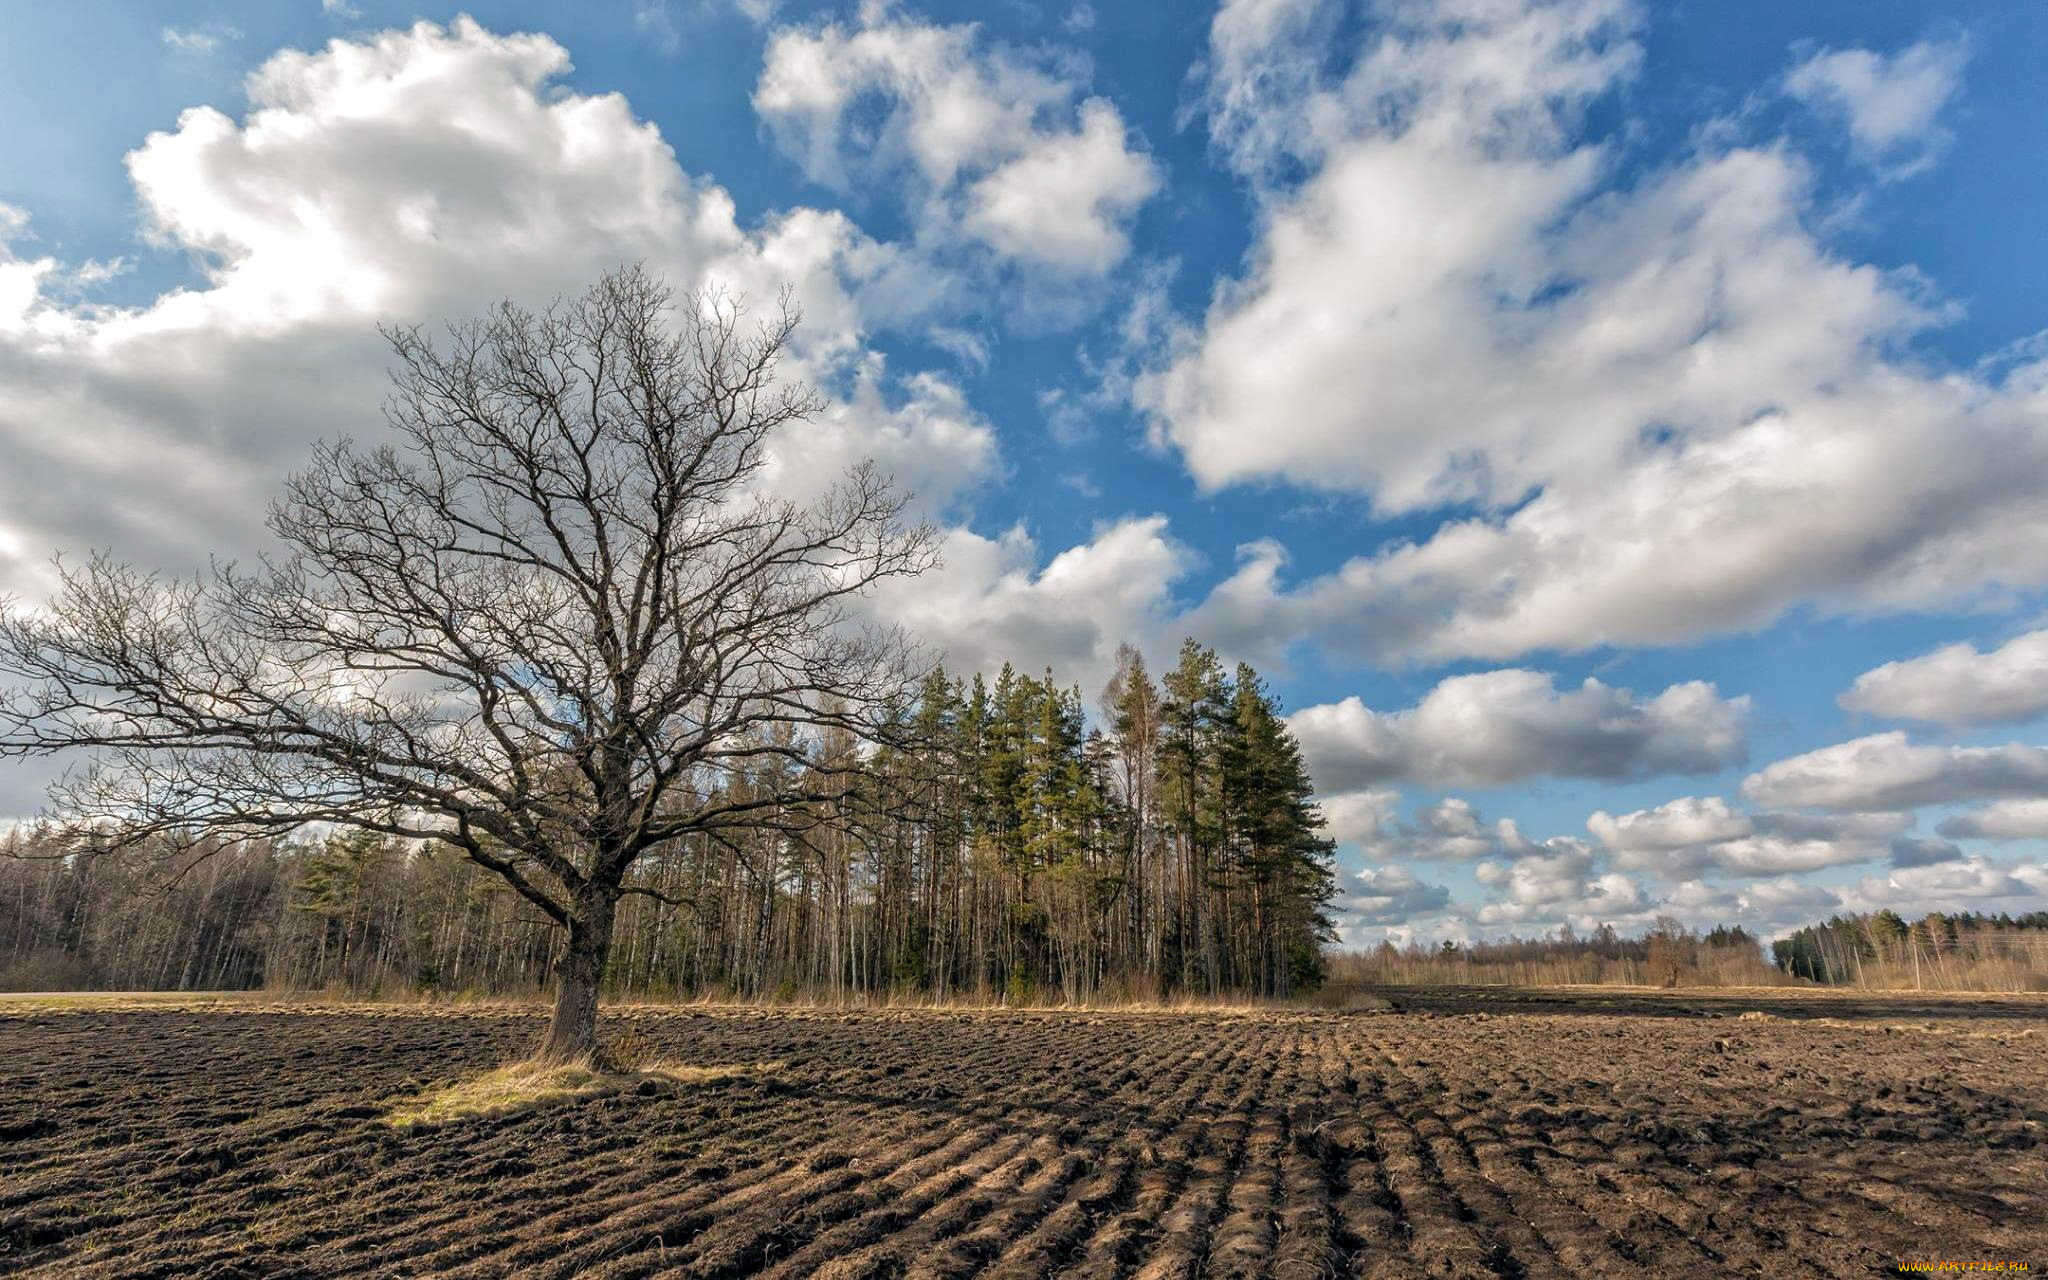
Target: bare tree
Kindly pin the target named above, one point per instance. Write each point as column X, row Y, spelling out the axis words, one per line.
column 552, row 627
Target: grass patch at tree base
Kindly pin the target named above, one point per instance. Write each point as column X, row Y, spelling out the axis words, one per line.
column 525, row 1086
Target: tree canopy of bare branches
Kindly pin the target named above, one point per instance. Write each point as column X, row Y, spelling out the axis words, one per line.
column 548, row 626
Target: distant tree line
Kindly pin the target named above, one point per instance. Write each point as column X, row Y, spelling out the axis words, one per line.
column 1882, row 950
column 1939, row 951
column 997, row 847
column 1668, row 954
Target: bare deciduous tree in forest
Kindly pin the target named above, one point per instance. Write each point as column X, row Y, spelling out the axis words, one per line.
column 547, row 628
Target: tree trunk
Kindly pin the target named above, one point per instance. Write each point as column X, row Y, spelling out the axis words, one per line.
column 572, row 1033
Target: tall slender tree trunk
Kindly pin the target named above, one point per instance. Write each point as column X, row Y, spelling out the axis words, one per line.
column 572, row 1033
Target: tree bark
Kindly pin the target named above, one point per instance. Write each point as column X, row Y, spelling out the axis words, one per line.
column 572, row 1032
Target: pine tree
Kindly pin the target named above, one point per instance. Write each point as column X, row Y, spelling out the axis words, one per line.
column 1196, row 695
column 1277, row 847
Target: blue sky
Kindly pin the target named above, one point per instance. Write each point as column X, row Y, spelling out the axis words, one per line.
column 1438, row 356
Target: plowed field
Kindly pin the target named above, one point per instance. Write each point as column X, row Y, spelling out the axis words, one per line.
column 1465, row 1135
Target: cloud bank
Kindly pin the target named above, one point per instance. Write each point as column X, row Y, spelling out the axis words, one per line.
column 1674, row 410
column 1501, row 727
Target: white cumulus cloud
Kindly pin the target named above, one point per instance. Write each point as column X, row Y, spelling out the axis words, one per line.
column 2005, row 820
column 1951, row 886
column 1449, row 830
column 992, row 601
column 1958, row 685
column 1886, row 771
column 1890, row 104
column 1679, row 824
column 1389, row 896
column 1358, row 817
column 1007, row 149
column 1696, row 835
column 1561, row 885
column 1499, row 727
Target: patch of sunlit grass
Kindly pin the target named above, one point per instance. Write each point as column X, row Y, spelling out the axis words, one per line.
column 28, row 1004
column 523, row 1086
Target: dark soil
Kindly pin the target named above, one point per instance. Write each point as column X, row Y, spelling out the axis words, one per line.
column 1468, row 1135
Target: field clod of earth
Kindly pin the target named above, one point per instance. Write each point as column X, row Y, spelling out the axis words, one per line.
column 1467, row 1135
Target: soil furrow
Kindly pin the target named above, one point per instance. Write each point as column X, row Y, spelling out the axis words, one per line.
column 1481, row 1135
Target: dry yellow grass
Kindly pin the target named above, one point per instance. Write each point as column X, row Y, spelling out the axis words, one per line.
column 22, row 1004
column 523, row 1086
